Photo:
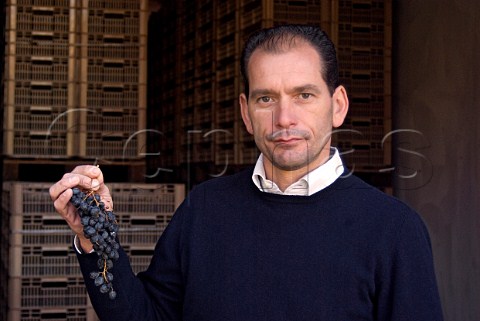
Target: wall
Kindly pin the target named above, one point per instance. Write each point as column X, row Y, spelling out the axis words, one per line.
column 436, row 94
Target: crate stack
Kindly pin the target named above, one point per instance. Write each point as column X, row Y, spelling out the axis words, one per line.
column 164, row 119
column 286, row 11
column 197, row 83
column 113, row 89
column 75, row 82
column 44, row 279
column 227, row 114
column 143, row 211
column 250, row 19
column 37, row 65
column 203, row 82
column 364, row 49
column 4, row 250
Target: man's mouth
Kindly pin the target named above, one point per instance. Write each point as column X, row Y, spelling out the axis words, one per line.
column 285, row 136
column 288, row 140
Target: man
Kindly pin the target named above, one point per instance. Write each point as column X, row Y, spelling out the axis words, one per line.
column 296, row 237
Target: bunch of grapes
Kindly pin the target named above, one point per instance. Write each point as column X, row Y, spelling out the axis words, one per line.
column 100, row 226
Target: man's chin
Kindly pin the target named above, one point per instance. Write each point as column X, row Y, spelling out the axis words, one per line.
column 290, row 165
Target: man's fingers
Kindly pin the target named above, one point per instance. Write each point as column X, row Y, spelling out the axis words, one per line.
column 106, row 198
column 62, row 201
column 80, row 177
column 67, row 182
column 91, row 177
column 88, row 170
column 85, row 177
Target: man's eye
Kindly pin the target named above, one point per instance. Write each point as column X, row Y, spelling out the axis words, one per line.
column 305, row 95
column 265, row 99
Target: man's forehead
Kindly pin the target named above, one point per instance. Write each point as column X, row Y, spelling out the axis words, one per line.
column 283, row 45
column 260, row 54
column 285, row 49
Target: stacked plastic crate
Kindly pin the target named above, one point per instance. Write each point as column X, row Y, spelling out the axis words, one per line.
column 197, row 81
column 364, row 49
column 75, row 79
column 44, row 280
column 226, row 77
column 287, row 11
column 250, row 19
column 162, row 121
column 187, row 80
column 203, row 81
column 44, row 277
column 144, row 210
column 113, row 88
column 4, row 258
column 36, row 82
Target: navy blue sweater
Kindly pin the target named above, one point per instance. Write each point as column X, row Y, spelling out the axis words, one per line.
column 231, row 252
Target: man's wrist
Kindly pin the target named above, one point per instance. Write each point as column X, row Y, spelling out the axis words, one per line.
column 78, row 246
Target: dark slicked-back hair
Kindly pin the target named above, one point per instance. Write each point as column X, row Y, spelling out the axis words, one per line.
column 284, row 37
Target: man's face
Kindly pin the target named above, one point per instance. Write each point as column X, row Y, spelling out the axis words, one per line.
column 290, row 111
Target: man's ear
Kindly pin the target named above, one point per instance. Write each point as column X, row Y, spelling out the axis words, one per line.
column 245, row 115
column 340, row 106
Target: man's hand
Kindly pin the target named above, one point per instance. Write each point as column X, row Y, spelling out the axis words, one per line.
column 85, row 177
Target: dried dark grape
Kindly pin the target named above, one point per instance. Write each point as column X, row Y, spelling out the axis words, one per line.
column 101, row 228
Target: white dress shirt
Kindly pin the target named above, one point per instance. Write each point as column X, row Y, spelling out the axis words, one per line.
column 312, row 182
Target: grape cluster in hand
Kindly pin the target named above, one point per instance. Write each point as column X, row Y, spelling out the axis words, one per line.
column 100, row 226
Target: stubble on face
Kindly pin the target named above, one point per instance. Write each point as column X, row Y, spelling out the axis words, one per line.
column 300, row 155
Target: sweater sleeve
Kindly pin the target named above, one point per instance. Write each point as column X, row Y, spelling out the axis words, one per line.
column 407, row 282
column 155, row 294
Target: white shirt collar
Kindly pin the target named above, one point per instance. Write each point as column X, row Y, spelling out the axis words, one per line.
column 312, row 182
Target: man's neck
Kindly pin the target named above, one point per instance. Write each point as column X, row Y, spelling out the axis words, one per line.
column 284, row 177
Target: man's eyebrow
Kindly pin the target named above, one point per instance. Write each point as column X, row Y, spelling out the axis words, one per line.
column 306, row 88
column 260, row 92
column 298, row 89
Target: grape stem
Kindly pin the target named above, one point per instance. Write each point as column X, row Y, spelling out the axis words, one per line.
column 91, row 193
column 104, row 272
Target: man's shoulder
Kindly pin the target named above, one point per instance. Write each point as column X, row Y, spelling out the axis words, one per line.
column 374, row 211
column 220, row 190
column 363, row 195
column 224, row 183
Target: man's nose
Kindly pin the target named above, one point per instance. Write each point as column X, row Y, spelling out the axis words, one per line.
column 285, row 115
